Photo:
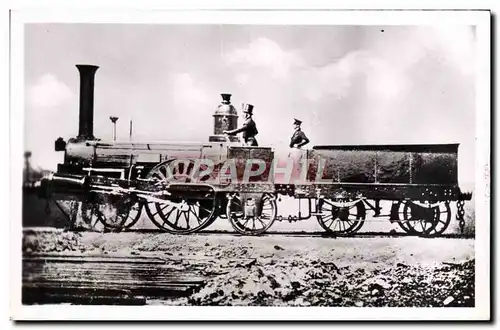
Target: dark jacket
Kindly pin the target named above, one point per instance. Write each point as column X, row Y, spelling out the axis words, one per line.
column 298, row 139
column 249, row 130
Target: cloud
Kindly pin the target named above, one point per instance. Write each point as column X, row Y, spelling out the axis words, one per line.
column 186, row 90
column 455, row 44
column 380, row 73
column 336, row 78
column 402, row 86
column 242, row 78
column 190, row 95
column 267, row 54
column 47, row 103
column 48, row 92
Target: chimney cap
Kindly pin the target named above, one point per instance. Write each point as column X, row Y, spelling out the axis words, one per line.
column 84, row 66
column 226, row 98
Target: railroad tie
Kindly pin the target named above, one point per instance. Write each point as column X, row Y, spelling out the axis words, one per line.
column 103, row 280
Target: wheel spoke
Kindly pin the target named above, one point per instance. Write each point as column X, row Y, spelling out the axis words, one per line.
column 247, row 220
column 331, row 222
column 262, row 222
column 177, row 217
column 328, row 209
column 205, row 209
column 198, row 218
column 328, row 216
column 162, row 176
column 170, row 212
column 186, row 216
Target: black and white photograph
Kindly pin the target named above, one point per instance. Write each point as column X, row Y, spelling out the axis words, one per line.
column 181, row 160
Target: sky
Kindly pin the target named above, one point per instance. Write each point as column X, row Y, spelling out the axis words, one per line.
column 348, row 84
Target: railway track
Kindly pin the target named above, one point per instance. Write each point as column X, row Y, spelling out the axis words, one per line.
column 309, row 234
column 104, row 280
column 367, row 234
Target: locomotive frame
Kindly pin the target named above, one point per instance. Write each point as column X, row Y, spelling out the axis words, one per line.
column 185, row 187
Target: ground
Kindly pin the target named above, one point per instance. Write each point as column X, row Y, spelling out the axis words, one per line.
column 293, row 270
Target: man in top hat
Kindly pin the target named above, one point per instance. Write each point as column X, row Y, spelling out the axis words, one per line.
column 249, row 128
column 299, row 138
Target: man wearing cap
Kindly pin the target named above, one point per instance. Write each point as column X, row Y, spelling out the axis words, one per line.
column 249, row 128
column 299, row 138
column 297, row 155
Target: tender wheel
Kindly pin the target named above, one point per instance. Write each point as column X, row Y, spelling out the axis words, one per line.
column 397, row 215
column 344, row 219
column 425, row 219
column 443, row 221
column 179, row 215
column 250, row 216
column 403, row 222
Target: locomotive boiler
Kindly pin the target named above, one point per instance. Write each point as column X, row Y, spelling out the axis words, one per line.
column 184, row 187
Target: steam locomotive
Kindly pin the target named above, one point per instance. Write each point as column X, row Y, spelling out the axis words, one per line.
column 185, row 187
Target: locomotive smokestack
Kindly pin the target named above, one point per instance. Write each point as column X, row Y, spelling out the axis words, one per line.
column 86, row 124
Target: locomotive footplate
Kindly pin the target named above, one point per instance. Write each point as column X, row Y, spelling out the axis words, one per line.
column 256, row 187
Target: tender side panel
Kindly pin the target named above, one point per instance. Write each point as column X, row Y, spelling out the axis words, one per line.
column 435, row 168
column 343, row 166
column 393, row 167
column 422, row 164
column 352, row 166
